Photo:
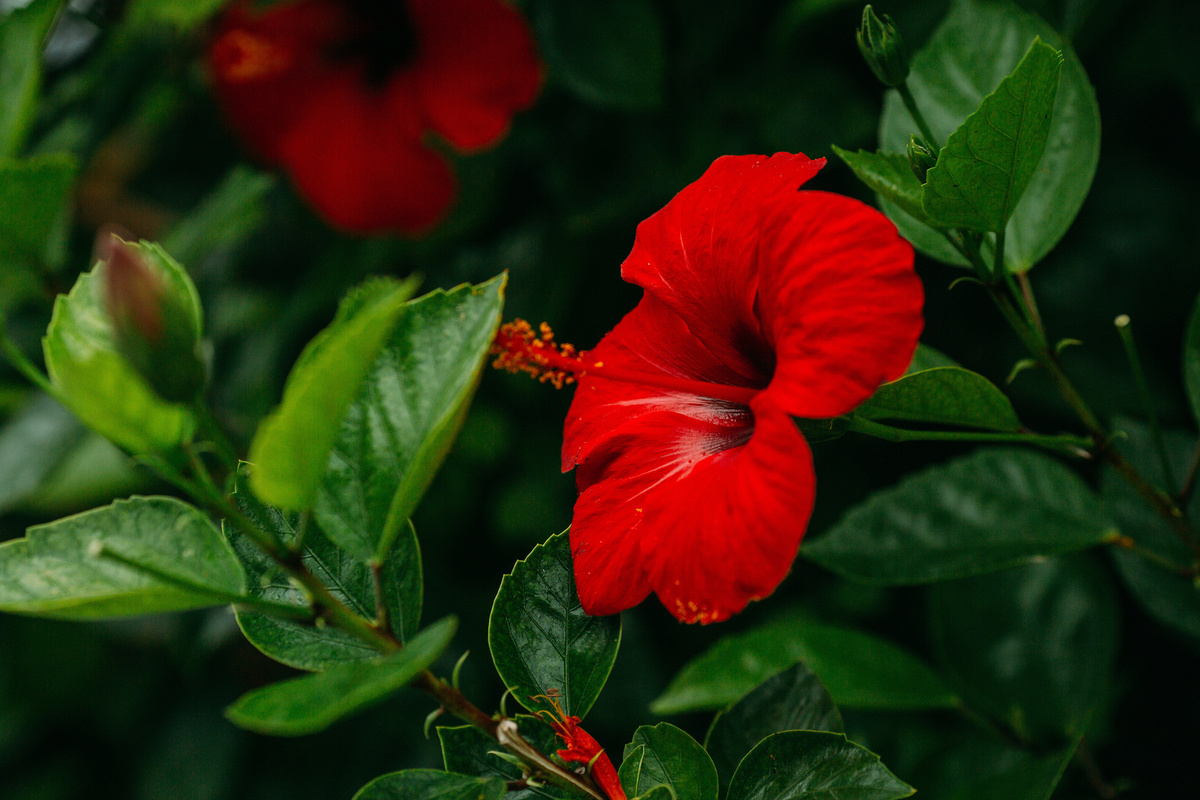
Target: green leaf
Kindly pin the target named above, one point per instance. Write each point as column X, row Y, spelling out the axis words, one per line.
column 975, row 47
column 859, row 670
column 986, row 164
column 431, row 784
column 1035, row 646
column 33, row 207
column 943, row 396
column 1191, row 360
column 1030, row 779
column 223, row 219
column 889, row 176
column 98, row 385
column 542, row 642
column 181, row 14
column 813, row 765
column 55, row 571
column 926, row 357
column 470, row 751
column 405, row 416
column 793, row 700
column 348, row 580
column 609, row 53
column 23, row 34
column 33, row 442
column 292, row 447
column 664, row 755
column 312, row 703
column 993, row 509
column 1163, row 593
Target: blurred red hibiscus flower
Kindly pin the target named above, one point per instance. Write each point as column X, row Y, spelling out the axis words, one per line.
column 762, row 304
column 344, row 94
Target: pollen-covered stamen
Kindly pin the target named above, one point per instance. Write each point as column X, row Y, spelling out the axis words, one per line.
column 518, row 348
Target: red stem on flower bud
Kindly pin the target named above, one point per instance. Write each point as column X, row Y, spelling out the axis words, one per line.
column 518, row 348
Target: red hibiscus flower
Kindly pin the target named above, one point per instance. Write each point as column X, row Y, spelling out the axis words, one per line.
column 343, row 93
column 762, row 303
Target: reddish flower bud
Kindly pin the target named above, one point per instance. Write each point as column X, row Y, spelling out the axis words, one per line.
column 581, row 748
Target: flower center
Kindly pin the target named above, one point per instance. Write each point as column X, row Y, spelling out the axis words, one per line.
column 518, row 348
column 384, row 39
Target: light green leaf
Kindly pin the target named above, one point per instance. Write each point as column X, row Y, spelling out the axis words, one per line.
column 180, row 14
column 432, row 784
column 975, row 47
column 859, row 670
column 56, row 571
column 813, row 765
column 23, row 33
column 993, row 509
column 664, row 755
column 542, row 642
column 312, row 703
column 405, row 416
column 889, row 176
column 98, row 385
column 33, row 208
column 986, row 164
column 1035, row 645
column 291, row 449
column 943, row 396
column 793, row 700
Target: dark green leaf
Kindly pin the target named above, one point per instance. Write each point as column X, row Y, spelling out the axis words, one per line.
column 1031, row 779
column 23, row 32
column 658, row 793
column 664, row 755
column 889, row 176
column 793, row 700
column 987, row 163
column 1164, row 593
column 224, row 218
column 181, row 14
column 470, row 751
column 99, row 386
column 431, row 784
column 56, row 571
column 405, row 417
column 813, row 765
column 943, row 396
column 858, row 670
column 988, row 511
column 1035, row 645
column 1191, row 360
column 349, row 580
column 926, row 357
column 609, row 53
column 976, row 46
column 542, row 642
column 33, row 206
column 32, row 443
column 292, row 447
column 312, row 703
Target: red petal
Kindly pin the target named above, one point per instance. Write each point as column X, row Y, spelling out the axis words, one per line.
column 839, row 302
column 477, row 65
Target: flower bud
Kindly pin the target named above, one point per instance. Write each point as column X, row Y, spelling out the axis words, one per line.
column 155, row 318
column 883, row 48
column 921, row 157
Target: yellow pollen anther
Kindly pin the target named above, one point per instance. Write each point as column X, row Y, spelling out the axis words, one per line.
column 518, row 348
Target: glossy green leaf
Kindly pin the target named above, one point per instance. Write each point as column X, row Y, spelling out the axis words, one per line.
column 609, row 53
column 431, row 784
column 1167, row 595
column 977, row 45
column 813, row 765
column 33, row 206
column 943, row 396
column 470, row 751
column 57, row 570
column 223, row 219
column 405, row 416
column 988, row 162
column 32, row 443
column 889, row 176
column 859, row 670
column 664, row 755
column 1191, row 360
column 99, row 386
column 312, row 703
column 23, row 32
column 990, row 510
column 793, row 700
column 348, row 579
column 292, row 447
column 542, row 642
column 1030, row 779
column 1035, row 645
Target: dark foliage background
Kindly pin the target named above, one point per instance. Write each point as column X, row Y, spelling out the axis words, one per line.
column 640, row 97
